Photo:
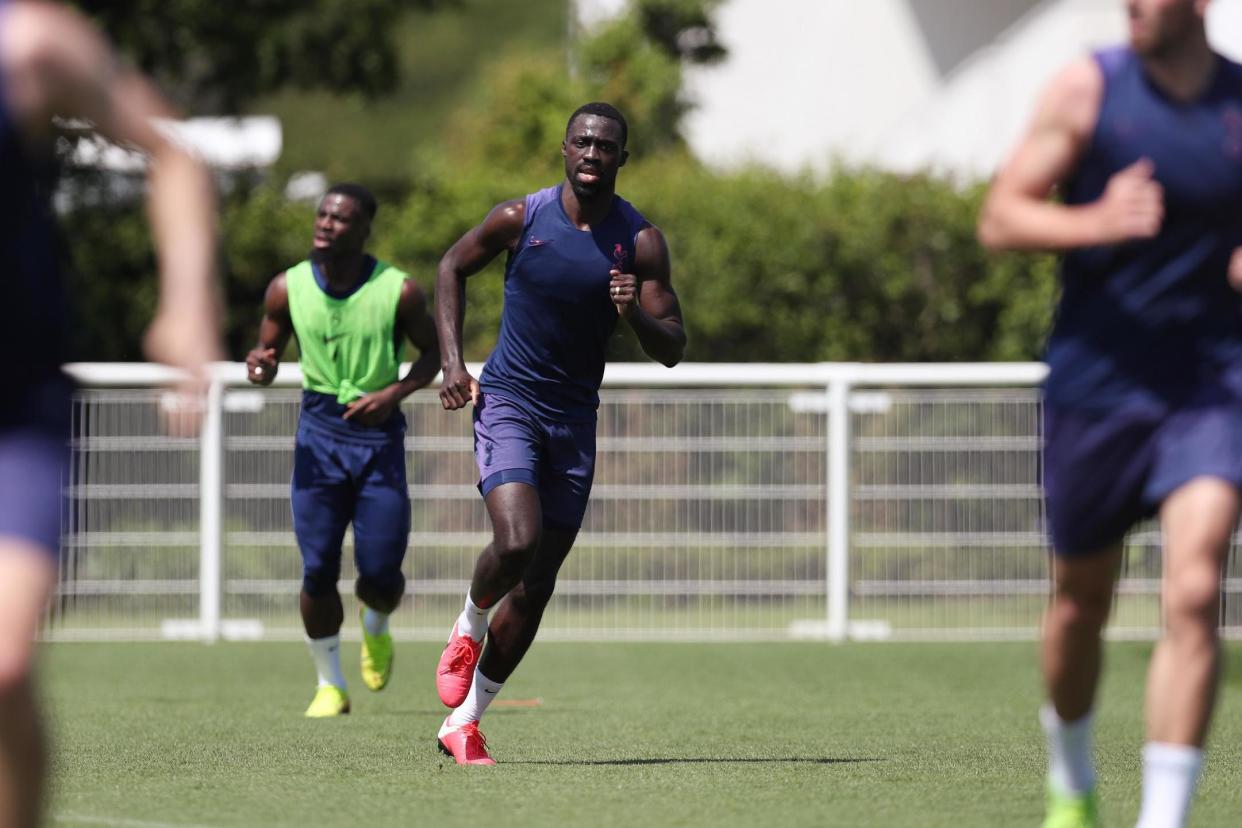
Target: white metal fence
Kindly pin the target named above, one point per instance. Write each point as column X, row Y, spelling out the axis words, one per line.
column 731, row 502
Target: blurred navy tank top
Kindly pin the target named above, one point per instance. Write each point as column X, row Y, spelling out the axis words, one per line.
column 33, row 331
column 34, row 325
column 1154, row 323
column 558, row 314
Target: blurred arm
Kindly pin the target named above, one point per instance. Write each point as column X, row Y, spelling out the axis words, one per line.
column 57, row 64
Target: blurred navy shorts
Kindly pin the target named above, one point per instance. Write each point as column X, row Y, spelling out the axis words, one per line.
column 1104, row 471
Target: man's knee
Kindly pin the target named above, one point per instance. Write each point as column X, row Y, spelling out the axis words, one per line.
column 516, row 542
column 539, row 579
column 1082, row 605
column 1193, row 597
column 1083, row 588
column 382, row 590
column 319, row 581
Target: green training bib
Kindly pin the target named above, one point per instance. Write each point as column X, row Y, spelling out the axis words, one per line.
column 349, row 346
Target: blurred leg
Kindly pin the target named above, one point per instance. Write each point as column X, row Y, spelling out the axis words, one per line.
column 1198, row 521
column 27, row 573
column 1071, row 654
column 1071, row 660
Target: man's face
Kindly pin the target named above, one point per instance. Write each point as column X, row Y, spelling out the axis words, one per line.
column 341, row 226
column 1157, row 26
column 593, row 154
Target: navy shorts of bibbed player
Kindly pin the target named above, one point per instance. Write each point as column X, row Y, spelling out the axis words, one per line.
column 344, row 472
column 1105, row 471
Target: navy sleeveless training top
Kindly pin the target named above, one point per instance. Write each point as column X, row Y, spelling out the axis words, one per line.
column 32, row 334
column 558, row 315
column 1154, row 323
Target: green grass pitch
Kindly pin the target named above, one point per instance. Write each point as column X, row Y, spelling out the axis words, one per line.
column 651, row 735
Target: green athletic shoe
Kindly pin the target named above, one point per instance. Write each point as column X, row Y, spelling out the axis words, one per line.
column 376, row 658
column 1071, row 811
column 329, row 701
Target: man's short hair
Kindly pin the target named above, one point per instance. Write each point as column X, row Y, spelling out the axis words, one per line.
column 603, row 110
column 364, row 197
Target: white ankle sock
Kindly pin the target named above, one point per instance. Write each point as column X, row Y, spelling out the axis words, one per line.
column 1170, row 773
column 326, row 653
column 1071, row 771
column 473, row 620
column 375, row 623
column 482, row 691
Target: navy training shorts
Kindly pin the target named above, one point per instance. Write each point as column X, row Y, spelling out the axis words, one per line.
column 513, row 445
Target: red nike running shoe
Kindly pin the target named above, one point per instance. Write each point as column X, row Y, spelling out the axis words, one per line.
column 455, row 673
column 464, row 743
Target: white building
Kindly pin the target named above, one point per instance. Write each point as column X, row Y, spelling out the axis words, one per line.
column 903, row 84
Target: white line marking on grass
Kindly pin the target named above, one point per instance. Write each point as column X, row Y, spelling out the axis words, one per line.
column 121, row 822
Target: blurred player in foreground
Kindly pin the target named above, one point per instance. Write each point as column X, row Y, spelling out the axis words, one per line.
column 579, row 258
column 1143, row 403
column 350, row 314
column 53, row 63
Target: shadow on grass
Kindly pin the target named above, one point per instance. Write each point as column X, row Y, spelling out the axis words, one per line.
column 703, row 760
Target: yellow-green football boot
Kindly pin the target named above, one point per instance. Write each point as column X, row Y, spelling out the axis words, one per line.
column 329, row 700
column 376, row 658
column 1071, row 811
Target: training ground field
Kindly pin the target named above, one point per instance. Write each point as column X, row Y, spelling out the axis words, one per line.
column 646, row 735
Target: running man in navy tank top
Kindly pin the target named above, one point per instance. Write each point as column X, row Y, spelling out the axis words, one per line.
column 53, row 62
column 579, row 258
column 1143, row 402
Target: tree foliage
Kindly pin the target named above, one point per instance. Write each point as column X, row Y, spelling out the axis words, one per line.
column 635, row 62
column 516, row 120
column 212, row 57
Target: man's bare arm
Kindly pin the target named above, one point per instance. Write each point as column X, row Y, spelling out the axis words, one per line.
column 1017, row 213
column 647, row 301
column 421, row 331
column 499, row 231
column 275, row 329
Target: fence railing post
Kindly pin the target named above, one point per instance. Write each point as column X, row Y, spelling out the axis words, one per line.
column 211, row 510
column 838, row 585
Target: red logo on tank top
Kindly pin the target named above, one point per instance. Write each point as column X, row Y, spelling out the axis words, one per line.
column 618, row 258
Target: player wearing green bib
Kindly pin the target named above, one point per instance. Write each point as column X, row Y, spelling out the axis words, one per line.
column 350, row 314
